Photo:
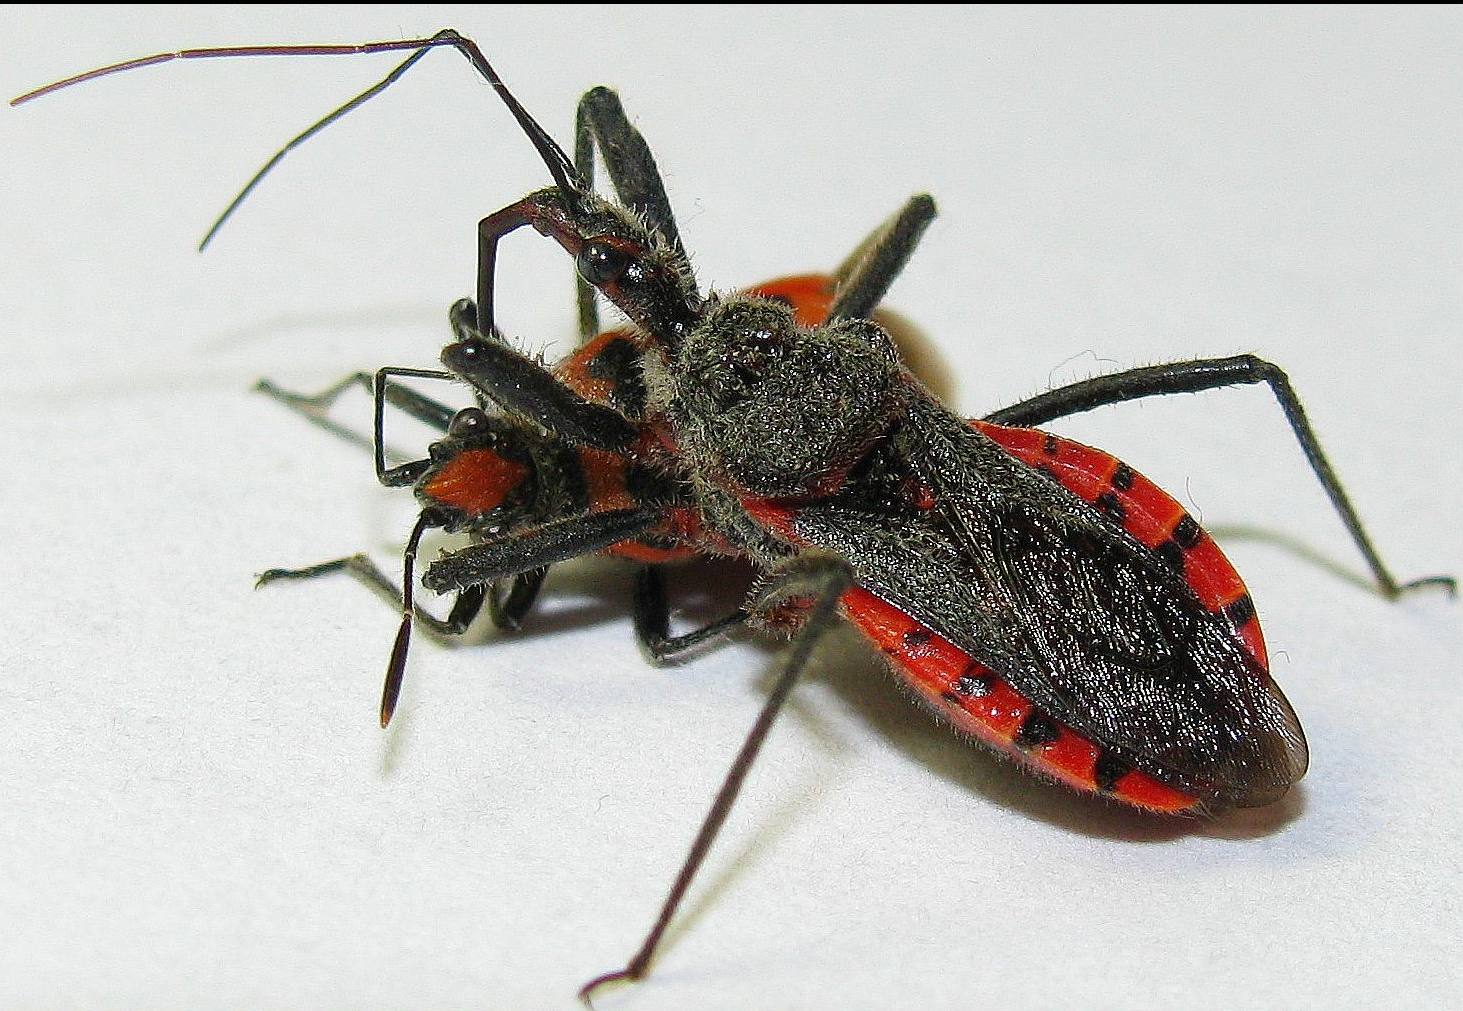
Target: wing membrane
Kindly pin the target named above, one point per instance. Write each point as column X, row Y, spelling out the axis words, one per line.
column 1076, row 614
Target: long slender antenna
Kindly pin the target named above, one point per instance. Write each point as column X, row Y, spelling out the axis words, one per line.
column 396, row 669
column 309, row 132
column 560, row 167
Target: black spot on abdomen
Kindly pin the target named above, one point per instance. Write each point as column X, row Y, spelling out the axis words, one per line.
column 1109, row 770
column 1037, row 729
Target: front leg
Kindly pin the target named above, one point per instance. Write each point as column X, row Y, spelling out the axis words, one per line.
column 600, row 122
column 314, row 407
column 1210, row 374
column 465, row 606
column 491, row 561
column 508, row 611
column 865, row 276
column 531, row 390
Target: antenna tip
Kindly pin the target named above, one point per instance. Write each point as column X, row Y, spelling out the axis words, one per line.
column 395, row 670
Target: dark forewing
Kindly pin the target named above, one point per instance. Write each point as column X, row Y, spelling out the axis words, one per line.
column 1083, row 619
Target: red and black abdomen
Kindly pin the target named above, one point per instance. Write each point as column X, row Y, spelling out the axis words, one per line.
column 1148, row 513
column 980, row 703
column 977, row 701
column 1049, row 600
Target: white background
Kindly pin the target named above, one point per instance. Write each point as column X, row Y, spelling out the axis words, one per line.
column 196, row 807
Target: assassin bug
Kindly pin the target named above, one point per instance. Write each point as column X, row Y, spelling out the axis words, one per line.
column 491, row 473
column 1087, row 617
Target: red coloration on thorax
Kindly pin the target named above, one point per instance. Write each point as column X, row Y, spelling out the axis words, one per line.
column 574, row 371
column 810, row 295
column 476, row 481
column 604, row 479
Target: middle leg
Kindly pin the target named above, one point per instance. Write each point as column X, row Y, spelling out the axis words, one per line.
column 823, row 579
column 652, row 620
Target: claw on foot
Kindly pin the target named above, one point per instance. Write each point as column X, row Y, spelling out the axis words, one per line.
column 1448, row 583
column 626, row 975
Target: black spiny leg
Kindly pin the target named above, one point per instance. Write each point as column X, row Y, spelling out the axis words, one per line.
column 471, row 572
column 463, row 317
column 559, row 541
column 600, row 122
column 508, row 611
column 1209, row 374
column 314, row 406
column 820, row 578
column 529, row 389
column 465, row 606
column 652, row 620
column 384, row 391
column 469, row 601
column 865, row 276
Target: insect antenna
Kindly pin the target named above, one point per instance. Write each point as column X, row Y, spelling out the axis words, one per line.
column 396, row 668
column 560, row 167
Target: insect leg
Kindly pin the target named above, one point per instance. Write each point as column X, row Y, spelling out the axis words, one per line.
column 479, row 564
column 418, row 406
column 652, row 619
column 824, row 579
column 525, row 554
column 423, row 408
column 865, row 276
column 600, row 122
column 314, row 406
column 465, row 606
column 529, row 389
column 1209, row 374
column 508, row 612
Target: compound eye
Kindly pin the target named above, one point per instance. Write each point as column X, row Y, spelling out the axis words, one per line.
column 468, row 422
column 600, row 263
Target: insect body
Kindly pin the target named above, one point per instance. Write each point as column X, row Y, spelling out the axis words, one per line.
column 492, row 474
column 997, row 711
column 1042, row 596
